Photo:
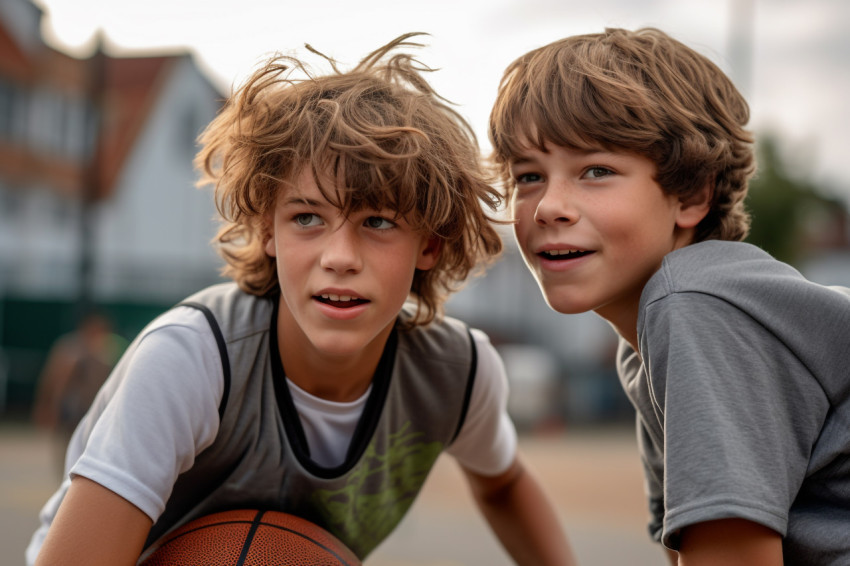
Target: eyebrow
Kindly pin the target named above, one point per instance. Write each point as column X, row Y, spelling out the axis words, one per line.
column 523, row 160
column 520, row 161
column 299, row 200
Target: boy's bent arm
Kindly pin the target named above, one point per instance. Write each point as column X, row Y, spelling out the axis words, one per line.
column 522, row 516
column 730, row 542
column 94, row 527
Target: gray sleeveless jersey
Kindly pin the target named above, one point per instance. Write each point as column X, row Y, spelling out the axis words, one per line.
column 260, row 458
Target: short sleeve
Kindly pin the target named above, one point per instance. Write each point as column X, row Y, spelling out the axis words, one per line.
column 632, row 375
column 157, row 411
column 651, row 461
column 738, row 413
column 487, row 441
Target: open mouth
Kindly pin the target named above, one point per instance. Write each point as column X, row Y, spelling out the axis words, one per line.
column 340, row 301
column 564, row 254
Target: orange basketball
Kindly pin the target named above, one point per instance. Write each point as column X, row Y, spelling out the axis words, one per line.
column 248, row 537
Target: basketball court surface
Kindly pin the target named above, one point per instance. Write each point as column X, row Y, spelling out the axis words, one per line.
column 593, row 476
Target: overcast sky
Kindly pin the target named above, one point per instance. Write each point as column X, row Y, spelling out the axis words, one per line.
column 797, row 78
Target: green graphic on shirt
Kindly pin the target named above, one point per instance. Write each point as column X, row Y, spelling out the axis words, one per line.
column 379, row 491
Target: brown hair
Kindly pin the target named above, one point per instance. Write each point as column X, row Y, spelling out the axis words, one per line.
column 638, row 91
column 384, row 137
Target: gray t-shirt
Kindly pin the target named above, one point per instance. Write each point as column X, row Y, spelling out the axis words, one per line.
column 742, row 393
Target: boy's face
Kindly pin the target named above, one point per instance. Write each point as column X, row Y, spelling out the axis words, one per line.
column 343, row 280
column 593, row 227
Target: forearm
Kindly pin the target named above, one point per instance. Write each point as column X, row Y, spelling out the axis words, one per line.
column 730, row 542
column 672, row 556
column 522, row 517
column 94, row 527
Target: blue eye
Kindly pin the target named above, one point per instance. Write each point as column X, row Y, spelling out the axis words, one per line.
column 378, row 223
column 529, row 178
column 307, row 219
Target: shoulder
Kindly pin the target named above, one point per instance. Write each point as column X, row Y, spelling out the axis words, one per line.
column 740, row 274
column 487, row 441
column 446, row 338
column 238, row 314
column 447, row 349
column 706, row 292
column 179, row 338
column 734, row 298
column 736, row 272
column 706, row 265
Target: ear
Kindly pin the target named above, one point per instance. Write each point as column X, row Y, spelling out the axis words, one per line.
column 429, row 254
column 693, row 209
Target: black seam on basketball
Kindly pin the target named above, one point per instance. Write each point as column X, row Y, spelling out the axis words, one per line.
column 253, row 531
column 255, row 524
column 306, row 537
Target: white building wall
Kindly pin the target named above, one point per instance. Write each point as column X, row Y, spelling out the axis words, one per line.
column 153, row 235
column 37, row 243
column 151, row 238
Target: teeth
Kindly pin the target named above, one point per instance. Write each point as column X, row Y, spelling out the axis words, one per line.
column 562, row 252
column 338, row 297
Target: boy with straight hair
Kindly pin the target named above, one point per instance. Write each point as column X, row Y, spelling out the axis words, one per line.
column 308, row 385
column 627, row 161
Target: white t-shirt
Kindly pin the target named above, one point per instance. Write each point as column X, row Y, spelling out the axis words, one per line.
column 186, row 411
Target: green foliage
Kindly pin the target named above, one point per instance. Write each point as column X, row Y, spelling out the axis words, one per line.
column 785, row 210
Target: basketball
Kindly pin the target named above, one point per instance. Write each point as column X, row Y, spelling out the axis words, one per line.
column 248, row 537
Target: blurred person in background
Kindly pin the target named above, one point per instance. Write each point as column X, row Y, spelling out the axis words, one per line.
column 77, row 365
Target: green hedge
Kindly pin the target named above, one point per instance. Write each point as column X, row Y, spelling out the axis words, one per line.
column 29, row 327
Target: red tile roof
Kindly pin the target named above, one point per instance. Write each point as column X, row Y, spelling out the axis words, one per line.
column 126, row 93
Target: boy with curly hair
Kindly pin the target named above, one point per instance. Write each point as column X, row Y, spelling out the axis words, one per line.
column 324, row 381
column 627, row 162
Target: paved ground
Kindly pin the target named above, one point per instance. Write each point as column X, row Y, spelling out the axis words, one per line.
column 593, row 476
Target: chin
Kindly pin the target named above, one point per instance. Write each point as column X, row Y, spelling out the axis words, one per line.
column 568, row 310
column 562, row 306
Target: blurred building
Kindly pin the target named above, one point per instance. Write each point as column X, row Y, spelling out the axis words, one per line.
column 560, row 368
column 98, row 205
column 97, row 196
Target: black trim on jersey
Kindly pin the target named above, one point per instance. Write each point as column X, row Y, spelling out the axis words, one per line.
column 222, row 349
column 470, row 381
column 285, row 405
column 365, row 426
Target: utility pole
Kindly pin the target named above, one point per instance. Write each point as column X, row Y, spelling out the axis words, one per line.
column 91, row 189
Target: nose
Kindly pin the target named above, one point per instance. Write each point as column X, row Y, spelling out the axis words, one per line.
column 556, row 205
column 342, row 252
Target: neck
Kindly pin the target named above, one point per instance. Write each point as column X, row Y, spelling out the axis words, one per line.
column 335, row 380
column 334, row 377
column 624, row 323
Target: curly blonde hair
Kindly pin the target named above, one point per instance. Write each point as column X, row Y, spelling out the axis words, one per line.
column 382, row 135
column 640, row 91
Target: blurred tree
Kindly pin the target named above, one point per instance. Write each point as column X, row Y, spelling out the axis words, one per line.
column 789, row 215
